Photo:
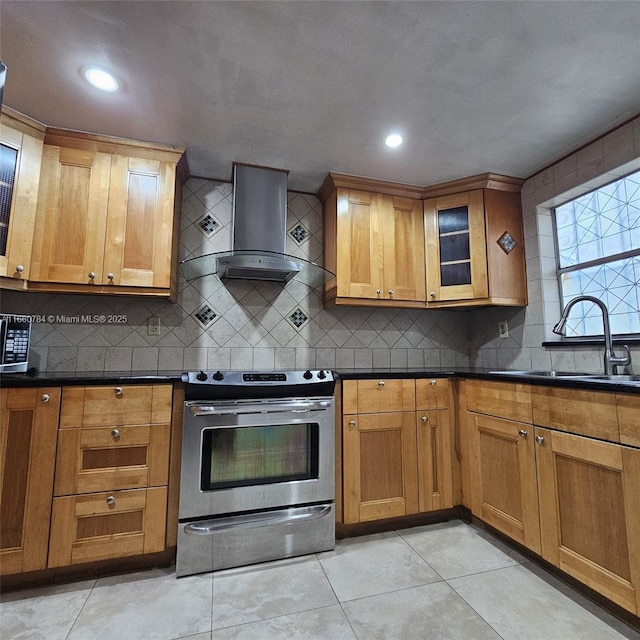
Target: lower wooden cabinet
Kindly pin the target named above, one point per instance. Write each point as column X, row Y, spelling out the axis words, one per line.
column 28, row 428
column 590, row 512
column 101, row 526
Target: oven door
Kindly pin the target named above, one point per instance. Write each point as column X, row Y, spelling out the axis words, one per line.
column 251, row 455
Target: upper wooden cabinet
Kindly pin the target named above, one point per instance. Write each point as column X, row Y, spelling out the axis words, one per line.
column 374, row 244
column 107, row 216
column 475, row 244
column 21, row 142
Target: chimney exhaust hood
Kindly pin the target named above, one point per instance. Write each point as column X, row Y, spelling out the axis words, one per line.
column 258, row 234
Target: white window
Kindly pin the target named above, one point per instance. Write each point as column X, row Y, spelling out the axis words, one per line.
column 598, row 254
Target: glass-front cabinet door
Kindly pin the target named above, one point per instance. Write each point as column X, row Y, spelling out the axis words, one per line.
column 456, row 250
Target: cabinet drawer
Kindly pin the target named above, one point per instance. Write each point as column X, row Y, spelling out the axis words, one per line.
column 432, row 394
column 588, row 413
column 107, row 525
column 629, row 419
column 115, row 405
column 109, row 458
column 502, row 399
column 378, row 396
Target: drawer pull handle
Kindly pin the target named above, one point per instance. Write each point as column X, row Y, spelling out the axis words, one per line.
column 425, row 419
column 118, row 391
column 110, row 276
column 115, row 434
column 381, row 383
column 19, row 268
column 92, row 275
column 45, row 397
column 539, row 439
column 432, row 295
column 391, row 292
column 111, row 501
column 352, row 424
column 379, row 292
column 434, row 383
column 522, row 433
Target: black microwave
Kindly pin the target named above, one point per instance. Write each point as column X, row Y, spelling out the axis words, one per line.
column 15, row 336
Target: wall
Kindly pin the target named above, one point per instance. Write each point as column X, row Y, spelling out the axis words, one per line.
column 604, row 160
column 255, row 324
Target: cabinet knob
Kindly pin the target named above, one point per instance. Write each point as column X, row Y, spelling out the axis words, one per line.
column 539, row 439
column 118, row 391
column 111, row 500
column 425, row 419
column 522, row 433
column 19, row 268
column 45, row 397
column 110, row 276
column 432, row 295
column 381, row 383
column 92, row 275
column 434, row 383
column 391, row 292
column 352, row 424
column 379, row 292
column 115, row 434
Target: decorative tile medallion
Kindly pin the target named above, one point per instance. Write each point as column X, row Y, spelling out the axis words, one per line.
column 298, row 318
column 208, row 225
column 506, row 242
column 299, row 233
column 205, row 316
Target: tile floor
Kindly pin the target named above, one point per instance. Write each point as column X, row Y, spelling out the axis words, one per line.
column 445, row 581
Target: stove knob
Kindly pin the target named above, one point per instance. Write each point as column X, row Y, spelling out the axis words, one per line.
column 218, row 376
column 322, row 375
column 307, row 375
column 202, row 376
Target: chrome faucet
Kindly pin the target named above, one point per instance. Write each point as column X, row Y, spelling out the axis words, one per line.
column 611, row 360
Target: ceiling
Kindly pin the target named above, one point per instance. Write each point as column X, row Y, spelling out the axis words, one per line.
column 506, row 87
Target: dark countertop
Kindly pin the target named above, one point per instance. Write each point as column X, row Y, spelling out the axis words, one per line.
column 59, row 378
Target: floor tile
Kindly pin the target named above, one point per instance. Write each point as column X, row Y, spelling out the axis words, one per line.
column 328, row 623
column 149, row 605
column 456, row 549
column 258, row 592
column 519, row 605
column 45, row 613
column 432, row 611
column 367, row 566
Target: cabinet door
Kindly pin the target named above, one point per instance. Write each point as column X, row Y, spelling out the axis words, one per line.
column 403, row 241
column 503, row 477
column 380, row 466
column 20, row 159
column 455, row 245
column 378, row 396
column 71, row 218
column 590, row 512
column 100, row 526
column 28, row 430
column 360, row 254
column 435, row 475
column 140, row 222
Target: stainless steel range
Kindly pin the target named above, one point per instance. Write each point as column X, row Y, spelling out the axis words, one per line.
column 258, row 468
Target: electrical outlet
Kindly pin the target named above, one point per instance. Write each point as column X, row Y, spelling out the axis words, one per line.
column 503, row 329
column 153, row 326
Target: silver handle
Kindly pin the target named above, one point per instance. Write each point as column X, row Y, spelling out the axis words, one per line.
column 539, row 439
column 522, row 433
column 425, row 419
column 432, row 295
column 434, row 383
column 352, row 424
column 381, row 383
column 115, row 434
column 111, row 500
column 110, row 276
column 92, row 275
column 379, row 292
column 391, row 292
column 253, row 521
column 45, row 397
column 118, row 391
column 19, row 268
column 230, row 408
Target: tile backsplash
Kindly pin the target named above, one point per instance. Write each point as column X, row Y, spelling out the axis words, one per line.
column 240, row 324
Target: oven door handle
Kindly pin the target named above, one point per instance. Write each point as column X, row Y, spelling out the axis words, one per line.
column 255, row 520
column 295, row 406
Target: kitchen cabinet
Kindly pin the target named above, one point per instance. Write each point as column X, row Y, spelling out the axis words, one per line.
column 111, row 480
column 107, row 216
column 28, row 427
column 474, row 243
column 374, row 243
column 503, row 488
column 590, row 512
column 379, row 450
column 21, row 144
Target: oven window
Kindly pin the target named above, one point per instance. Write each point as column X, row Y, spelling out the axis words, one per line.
column 243, row 456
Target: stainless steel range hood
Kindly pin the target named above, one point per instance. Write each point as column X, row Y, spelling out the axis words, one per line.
column 258, row 234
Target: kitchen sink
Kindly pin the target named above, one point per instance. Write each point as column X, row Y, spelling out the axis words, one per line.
column 542, row 374
column 622, row 377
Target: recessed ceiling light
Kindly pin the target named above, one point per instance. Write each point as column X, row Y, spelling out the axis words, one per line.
column 101, row 79
column 393, row 140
